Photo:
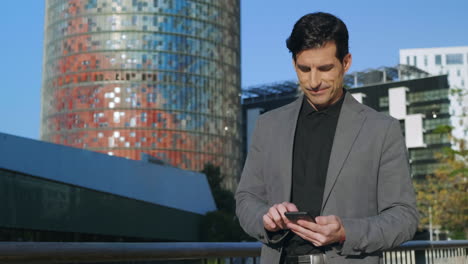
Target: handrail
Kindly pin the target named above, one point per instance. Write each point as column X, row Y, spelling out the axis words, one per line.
column 57, row 252
column 426, row 244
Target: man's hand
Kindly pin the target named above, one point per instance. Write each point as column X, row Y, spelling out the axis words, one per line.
column 275, row 220
column 327, row 230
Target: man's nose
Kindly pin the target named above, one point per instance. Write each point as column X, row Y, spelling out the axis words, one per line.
column 314, row 79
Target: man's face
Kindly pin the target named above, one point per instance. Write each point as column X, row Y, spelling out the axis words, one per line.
column 321, row 74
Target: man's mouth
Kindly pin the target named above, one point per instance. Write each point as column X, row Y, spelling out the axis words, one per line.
column 316, row 90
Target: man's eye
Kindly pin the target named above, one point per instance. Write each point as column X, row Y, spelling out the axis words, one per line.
column 326, row 68
column 304, row 68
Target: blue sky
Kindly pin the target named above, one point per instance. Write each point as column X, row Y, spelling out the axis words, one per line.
column 378, row 29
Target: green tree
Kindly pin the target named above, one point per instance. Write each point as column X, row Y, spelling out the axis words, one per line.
column 445, row 191
column 221, row 225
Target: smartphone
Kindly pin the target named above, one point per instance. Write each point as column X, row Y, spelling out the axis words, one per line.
column 294, row 216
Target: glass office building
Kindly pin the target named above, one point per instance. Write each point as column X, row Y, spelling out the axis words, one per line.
column 161, row 77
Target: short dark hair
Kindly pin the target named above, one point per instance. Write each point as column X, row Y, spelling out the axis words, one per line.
column 315, row 30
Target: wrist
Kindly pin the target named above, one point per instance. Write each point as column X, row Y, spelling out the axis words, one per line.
column 342, row 235
column 342, row 239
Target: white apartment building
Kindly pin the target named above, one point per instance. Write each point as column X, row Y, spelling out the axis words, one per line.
column 452, row 61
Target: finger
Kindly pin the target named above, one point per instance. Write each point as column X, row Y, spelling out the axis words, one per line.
column 300, row 229
column 310, row 239
column 269, row 224
column 324, row 234
column 281, row 209
column 326, row 230
column 319, row 234
column 327, row 220
column 305, row 234
column 329, row 225
column 290, row 207
column 322, row 220
column 276, row 216
column 286, row 207
column 309, row 224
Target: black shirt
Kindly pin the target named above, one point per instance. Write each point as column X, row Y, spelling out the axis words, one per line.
column 313, row 141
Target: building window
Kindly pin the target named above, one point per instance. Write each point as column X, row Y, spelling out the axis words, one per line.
column 454, row 58
column 437, row 108
column 438, row 138
column 438, row 59
column 407, row 60
column 430, row 124
column 422, row 154
column 415, row 61
column 431, row 95
column 383, row 101
column 425, row 60
column 424, row 169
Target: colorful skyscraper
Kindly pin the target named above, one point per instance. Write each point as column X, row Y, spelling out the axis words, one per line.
column 160, row 77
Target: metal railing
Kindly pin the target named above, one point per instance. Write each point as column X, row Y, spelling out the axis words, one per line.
column 427, row 252
column 243, row 252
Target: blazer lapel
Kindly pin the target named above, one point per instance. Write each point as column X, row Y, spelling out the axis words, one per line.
column 347, row 129
column 287, row 150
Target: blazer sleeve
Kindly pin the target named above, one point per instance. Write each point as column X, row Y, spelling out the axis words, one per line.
column 251, row 195
column 398, row 217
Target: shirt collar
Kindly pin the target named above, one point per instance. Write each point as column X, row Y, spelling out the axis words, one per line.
column 332, row 110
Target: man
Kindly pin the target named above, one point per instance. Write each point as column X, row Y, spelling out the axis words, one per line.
column 325, row 153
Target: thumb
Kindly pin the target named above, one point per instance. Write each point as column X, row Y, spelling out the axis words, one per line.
column 322, row 220
column 291, row 207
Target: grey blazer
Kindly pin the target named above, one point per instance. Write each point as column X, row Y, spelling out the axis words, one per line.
column 368, row 183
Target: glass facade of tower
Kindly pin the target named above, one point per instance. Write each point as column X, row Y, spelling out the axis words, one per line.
column 160, row 77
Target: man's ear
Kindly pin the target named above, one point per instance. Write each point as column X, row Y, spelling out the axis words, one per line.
column 347, row 61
